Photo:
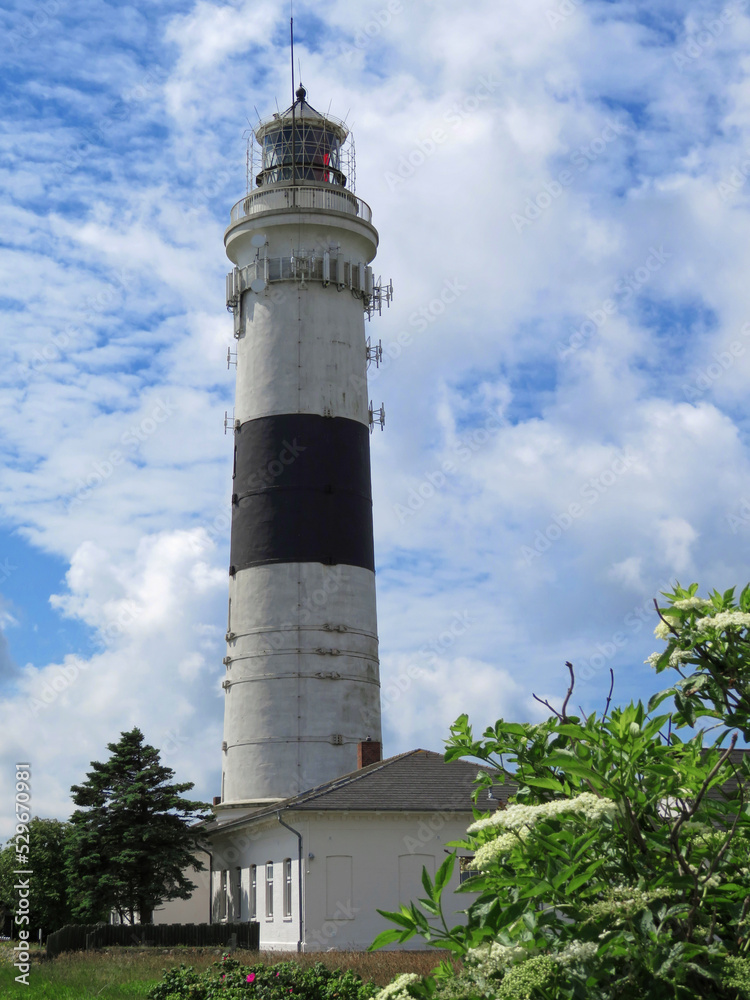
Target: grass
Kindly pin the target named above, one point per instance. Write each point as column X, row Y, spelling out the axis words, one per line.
column 128, row 974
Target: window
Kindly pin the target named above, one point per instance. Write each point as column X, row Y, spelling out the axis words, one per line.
column 253, row 892
column 237, row 900
column 269, row 889
column 287, row 887
column 223, row 895
column 465, row 872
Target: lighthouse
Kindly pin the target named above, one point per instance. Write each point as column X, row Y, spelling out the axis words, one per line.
column 302, row 687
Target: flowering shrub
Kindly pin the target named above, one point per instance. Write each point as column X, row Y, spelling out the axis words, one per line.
column 622, row 869
column 229, row 980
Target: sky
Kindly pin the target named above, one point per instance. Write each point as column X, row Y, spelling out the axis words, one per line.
column 560, row 189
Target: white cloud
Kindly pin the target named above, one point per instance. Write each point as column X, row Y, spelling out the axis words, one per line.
column 421, row 698
column 155, row 616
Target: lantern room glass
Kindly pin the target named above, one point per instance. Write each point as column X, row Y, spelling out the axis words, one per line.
column 317, row 153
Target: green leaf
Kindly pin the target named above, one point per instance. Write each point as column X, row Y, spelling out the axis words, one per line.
column 583, row 878
column 563, row 876
column 403, row 917
column 444, row 873
column 389, row 937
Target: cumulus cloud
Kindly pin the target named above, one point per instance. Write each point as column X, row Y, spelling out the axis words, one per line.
column 155, row 615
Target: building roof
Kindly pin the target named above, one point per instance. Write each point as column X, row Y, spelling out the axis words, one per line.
column 416, row 781
column 728, row 789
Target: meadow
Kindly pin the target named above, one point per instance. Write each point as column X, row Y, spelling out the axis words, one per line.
column 128, row 973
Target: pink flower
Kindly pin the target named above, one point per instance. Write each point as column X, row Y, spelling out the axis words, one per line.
column 251, row 977
column 278, row 974
column 223, row 976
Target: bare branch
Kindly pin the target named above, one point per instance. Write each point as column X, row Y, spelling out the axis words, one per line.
column 569, row 665
column 547, row 705
column 609, row 696
column 562, row 716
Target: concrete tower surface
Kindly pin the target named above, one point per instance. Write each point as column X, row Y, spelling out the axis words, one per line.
column 302, row 683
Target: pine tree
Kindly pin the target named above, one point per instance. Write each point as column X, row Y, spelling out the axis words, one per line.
column 132, row 840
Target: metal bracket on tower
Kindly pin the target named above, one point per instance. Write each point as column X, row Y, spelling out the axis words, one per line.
column 231, row 358
column 377, row 417
column 234, row 424
column 380, row 293
column 374, row 353
column 234, row 289
column 302, row 266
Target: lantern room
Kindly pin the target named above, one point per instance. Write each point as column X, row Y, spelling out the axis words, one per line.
column 301, row 145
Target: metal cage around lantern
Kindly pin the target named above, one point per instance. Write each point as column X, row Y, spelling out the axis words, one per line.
column 301, row 146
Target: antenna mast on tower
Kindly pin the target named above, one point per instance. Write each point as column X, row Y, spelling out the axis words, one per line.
column 294, row 96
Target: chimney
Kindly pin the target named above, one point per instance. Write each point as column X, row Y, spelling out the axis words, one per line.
column 369, row 752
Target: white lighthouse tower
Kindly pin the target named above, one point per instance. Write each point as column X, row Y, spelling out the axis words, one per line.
column 302, row 681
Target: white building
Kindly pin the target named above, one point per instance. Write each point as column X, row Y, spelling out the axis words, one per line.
column 314, row 869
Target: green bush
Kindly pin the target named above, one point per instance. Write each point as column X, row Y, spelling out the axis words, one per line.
column 229, row 980
column 621, row 868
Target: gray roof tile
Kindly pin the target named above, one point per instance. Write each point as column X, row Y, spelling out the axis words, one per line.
column 416, row 781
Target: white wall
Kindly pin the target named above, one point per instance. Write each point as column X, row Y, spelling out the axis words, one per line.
column 360, row 862
column 388, row 852
column 259, row 844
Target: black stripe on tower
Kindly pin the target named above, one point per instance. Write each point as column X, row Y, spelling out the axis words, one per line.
column 302, row 492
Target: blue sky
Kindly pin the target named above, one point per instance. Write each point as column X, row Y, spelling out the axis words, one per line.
column 561, row 194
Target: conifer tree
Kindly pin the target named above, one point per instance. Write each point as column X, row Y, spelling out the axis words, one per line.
column 131, row 839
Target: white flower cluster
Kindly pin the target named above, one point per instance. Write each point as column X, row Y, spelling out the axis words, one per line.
column 576, row 951
column 623, row 900
column 397, row 989
column 678, row 656
column 662, row 630
column 496, row 848
column 515, row 817
column 724, row 620
column 493, row 956
column 691, row 603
